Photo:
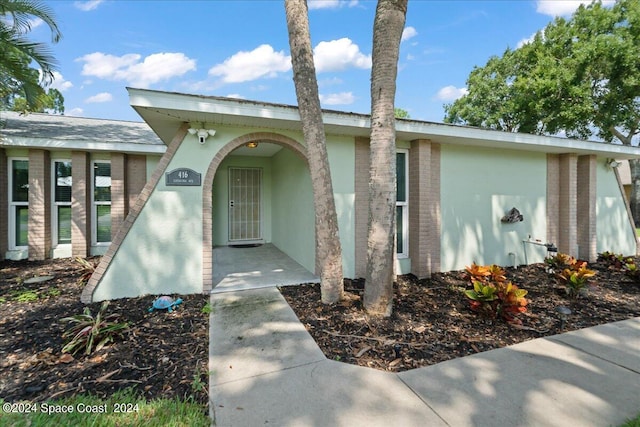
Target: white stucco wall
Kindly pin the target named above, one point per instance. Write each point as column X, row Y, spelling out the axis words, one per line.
column 478, row 187
column 613, row 228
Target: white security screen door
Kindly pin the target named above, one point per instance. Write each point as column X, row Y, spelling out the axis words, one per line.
column 245, row 196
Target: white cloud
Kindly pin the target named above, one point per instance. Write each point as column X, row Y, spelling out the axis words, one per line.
column 101, row 97
column 563, row 7
column 154, row 68
column 408, row 32
column 330, row 82
column 451, row 93
column 330, row 4
column 243, row 66
column 342, row 98
column 86, row 6
column 60, row 83
column 74, row 112
column 337, row 55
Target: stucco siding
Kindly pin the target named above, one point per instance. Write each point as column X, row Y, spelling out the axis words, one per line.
column 221, row 196
column 293, row 227
column 478, row 187
column 613, row 229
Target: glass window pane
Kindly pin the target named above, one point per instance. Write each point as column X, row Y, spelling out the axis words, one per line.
column 102, row 182
column 20, row 181
column 103, row 233
column 64, row 224
column 401, row 185
column 22, row 224
column 63, row 181
column 399, row 227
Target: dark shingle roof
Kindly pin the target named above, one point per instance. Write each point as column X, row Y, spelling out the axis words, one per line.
column 67, row 128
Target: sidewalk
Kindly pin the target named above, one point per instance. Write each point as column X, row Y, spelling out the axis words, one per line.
column 267, row 370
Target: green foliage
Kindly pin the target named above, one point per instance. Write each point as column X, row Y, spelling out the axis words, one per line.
column 401, row 114
column 86, row 269
column 207, row 308
column 575, row 278
column 90, row 332
column 578, row 76
column 135, row 411
column 25, row 295
column 613, row 261
column 493, row 295
column 560, row 261
column 632, row 271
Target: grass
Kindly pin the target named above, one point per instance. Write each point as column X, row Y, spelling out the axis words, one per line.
column 123, row 408
column 634, row 422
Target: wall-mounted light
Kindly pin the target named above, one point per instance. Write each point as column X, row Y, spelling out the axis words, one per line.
column 202, row 133
column 252, row 144
column 613, row 163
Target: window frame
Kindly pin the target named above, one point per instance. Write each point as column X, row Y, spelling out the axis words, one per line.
column 12, row 205
column 95, row 204
column 404, row 251
column 55, row 204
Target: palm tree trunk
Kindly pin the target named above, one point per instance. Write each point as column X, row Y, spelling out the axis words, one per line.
column 387, row 31
column 328, row 249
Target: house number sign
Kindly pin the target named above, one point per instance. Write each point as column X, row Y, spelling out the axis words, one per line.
column 183, row 177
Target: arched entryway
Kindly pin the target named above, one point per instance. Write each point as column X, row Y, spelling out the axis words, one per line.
column 289, row 165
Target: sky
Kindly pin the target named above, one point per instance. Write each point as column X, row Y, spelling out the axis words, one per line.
column 241, row 49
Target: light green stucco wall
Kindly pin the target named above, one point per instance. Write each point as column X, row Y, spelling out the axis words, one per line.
column 221, row 196
column 292, row 209
column 478, row 187
column 613, row 228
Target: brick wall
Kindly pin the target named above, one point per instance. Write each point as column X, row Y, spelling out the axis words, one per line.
column 567, row 207
column 424, row 208
column 553, row 198
column 80, row 204
column 586, row 208
column 4, row 204
column 136, row 176
column 39, row 204
column 119, row 197
column 361, row 205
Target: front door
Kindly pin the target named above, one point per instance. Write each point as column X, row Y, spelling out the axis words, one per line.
column 245, row 205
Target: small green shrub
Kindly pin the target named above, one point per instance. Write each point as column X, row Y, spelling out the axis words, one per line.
column 86, row 269
column 25, row 295
column 92, row 333
column 559, row 261
column 207, row 308
column 632, row 271
column 575, row 278
column 613, row 261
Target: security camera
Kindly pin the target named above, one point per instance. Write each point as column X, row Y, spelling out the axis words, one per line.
column 202, row 135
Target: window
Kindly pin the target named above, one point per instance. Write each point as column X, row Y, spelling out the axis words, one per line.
column 18, row 203
column 402, row 204
column 61, row 202
column 101, row 224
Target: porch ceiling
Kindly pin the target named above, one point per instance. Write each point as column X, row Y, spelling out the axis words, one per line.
column 166, row 111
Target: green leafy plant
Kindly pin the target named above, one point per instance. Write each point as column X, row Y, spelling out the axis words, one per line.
column 207, row 308
column 493, row 295
column 575, row 278
column 90, row 332
column 560, row 261
column 632, row 271
column 25, row 295
column 613, row 261
column 86, row 269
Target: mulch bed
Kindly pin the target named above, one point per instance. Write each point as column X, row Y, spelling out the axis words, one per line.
column 166, row 354
column 163, row 354
column 432, row 321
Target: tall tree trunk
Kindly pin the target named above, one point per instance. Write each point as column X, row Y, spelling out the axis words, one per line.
column 328, row 249
column 634, row 202
column 387, row 31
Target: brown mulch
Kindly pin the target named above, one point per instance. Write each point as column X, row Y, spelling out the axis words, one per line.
column 163, row 354
column 166, row 354
column 432, row 321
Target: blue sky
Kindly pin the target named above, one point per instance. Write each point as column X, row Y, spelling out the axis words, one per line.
column 240, row 49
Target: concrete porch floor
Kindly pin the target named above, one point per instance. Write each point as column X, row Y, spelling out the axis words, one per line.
column 241, row 268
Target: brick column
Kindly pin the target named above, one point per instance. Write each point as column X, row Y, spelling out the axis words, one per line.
column 567, row 219
column 80, row 204
column 4, row 204
column 361, row 205
column 119, row 197
column 586, row 208
column 136, row 176
column 553, row 198
column 39, row 204
column 424, row 207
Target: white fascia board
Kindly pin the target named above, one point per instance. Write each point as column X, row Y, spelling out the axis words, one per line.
column 57, row 144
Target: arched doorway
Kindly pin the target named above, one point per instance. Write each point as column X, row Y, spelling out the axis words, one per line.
column 291, row 171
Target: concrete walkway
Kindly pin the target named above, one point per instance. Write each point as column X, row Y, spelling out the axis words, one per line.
column 267, row 370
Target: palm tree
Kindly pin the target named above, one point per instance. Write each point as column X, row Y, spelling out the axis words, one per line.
column 328, row 249
column 387, row 31
column 17, row 52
